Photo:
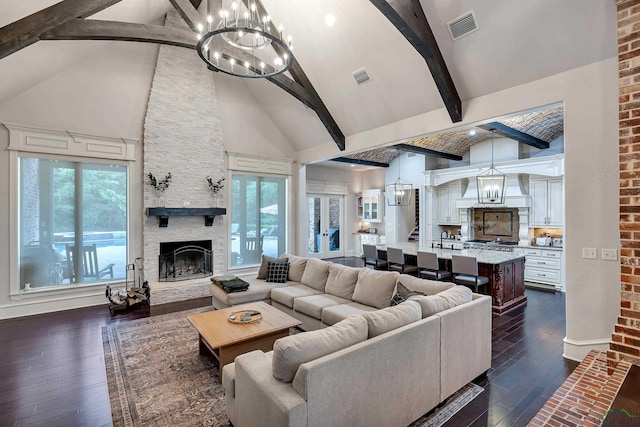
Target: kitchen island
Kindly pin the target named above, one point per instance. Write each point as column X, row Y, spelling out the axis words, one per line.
column 505, row 270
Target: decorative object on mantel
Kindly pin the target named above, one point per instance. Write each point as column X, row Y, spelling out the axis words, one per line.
column 239, row 41
column 163, row 214
column 160, row 186
column 215, row 187
column 491, row 183
column 399, row 193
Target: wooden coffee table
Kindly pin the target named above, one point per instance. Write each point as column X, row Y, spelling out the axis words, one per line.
column 226, row 340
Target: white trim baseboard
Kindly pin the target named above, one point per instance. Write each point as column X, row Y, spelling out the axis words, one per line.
column 29, row 308
column 577, row 350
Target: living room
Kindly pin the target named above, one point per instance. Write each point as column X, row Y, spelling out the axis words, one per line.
column 156, row 100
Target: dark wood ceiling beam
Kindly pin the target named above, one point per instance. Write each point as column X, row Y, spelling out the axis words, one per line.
column 92, row 29
column 301, row 78
column 409, row 18
column 360, row 162
column 427, row 152
column 26, row 31
column 189, row 13
column 511, row 133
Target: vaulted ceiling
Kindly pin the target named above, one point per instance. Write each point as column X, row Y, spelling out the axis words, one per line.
column 516, row 43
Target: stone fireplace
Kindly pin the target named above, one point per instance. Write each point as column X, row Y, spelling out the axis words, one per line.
column 185, row 260
column 188, row 143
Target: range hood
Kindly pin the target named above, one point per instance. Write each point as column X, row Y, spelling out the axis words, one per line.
column 517, row 172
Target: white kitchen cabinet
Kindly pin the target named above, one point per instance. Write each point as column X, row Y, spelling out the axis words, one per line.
column 367, row 239
column 447, row 210
column 547, row 202
column 543, row 265
column 372, row 205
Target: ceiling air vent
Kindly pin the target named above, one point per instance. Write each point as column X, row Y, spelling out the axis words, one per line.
column 463, row 25
column 361, row 76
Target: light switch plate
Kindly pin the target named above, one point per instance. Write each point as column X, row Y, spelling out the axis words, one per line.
column 186, row 203
column 610, row 254
column 589, row 253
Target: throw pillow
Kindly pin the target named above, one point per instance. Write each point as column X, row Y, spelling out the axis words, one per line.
column 390, row 318
column 262, row 272
column 403, row 293
column 292, row 351
column 277, row 272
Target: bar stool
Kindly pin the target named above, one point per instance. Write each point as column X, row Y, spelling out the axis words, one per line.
column 397, row 262
column 371, row 258
column 465, row 272
column 429, row 268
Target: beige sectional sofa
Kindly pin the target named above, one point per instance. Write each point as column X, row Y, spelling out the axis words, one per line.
column 369, row 364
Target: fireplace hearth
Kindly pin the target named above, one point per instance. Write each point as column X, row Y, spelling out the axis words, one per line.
column 185, row 260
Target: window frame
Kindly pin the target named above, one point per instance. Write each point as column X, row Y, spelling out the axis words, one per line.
column 287, row 232
column 28, row 141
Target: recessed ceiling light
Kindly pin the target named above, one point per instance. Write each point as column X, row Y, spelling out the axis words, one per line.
column 352, row 165
column 329, row 19
column 472, row 132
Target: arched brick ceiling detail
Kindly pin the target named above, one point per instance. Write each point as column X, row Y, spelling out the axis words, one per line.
column 546, row 125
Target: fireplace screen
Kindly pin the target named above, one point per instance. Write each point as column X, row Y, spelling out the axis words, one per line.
column 185, row 260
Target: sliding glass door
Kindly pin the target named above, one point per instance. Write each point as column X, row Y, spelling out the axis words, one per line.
column 73, row 222
column 258, row 218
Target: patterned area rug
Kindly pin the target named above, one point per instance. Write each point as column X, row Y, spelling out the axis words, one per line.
column 156, row 377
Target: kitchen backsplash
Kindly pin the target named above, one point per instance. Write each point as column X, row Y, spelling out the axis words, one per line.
column 496, row 223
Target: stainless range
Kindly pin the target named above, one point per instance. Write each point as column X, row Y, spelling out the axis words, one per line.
column 492, row 245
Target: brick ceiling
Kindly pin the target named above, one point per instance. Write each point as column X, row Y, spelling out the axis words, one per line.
column 546, row 125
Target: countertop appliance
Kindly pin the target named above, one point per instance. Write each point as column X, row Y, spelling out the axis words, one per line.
column 557, row 242
column 373, row 230
column 543, row 241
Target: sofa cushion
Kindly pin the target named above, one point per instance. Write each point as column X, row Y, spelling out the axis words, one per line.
column 403, row 293
column 314, row 304
column 277, row 272
column 390, row 318
column 262, row 271
column 432, row 304
column 287, row 295
column 292, row 351
column 342, row 280
column 426, row 286
column 296, row 267
column 315, row 274
column 336, row 313
column 375, row 287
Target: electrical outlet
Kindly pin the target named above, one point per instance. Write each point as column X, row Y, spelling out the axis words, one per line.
column 186, row 203
column 589, row 253
column 610, row 254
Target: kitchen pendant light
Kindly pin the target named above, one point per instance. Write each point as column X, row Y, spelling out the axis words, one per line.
column 492, row 183
column 399, row 193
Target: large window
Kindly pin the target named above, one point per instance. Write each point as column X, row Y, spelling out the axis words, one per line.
column 73, row 222
column 258, row 218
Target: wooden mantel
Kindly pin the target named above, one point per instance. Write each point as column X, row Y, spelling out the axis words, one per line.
column 163, row 214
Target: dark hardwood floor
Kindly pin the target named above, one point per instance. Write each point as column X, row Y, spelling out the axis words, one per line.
column 52, row 365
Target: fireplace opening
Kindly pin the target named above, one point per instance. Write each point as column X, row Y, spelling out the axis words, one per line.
column 185, row 260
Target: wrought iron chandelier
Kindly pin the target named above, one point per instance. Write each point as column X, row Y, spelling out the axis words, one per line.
column 491, row 183
column 240, row 41
column 399, row 193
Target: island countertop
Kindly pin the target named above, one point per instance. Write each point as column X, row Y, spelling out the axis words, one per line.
column 483, row 256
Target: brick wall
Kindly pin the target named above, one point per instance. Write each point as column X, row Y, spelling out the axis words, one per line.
column 182, row 135
column 626, row 337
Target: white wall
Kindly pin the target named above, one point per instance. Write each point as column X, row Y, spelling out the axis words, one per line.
column 398, row 219
column 106, row 94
